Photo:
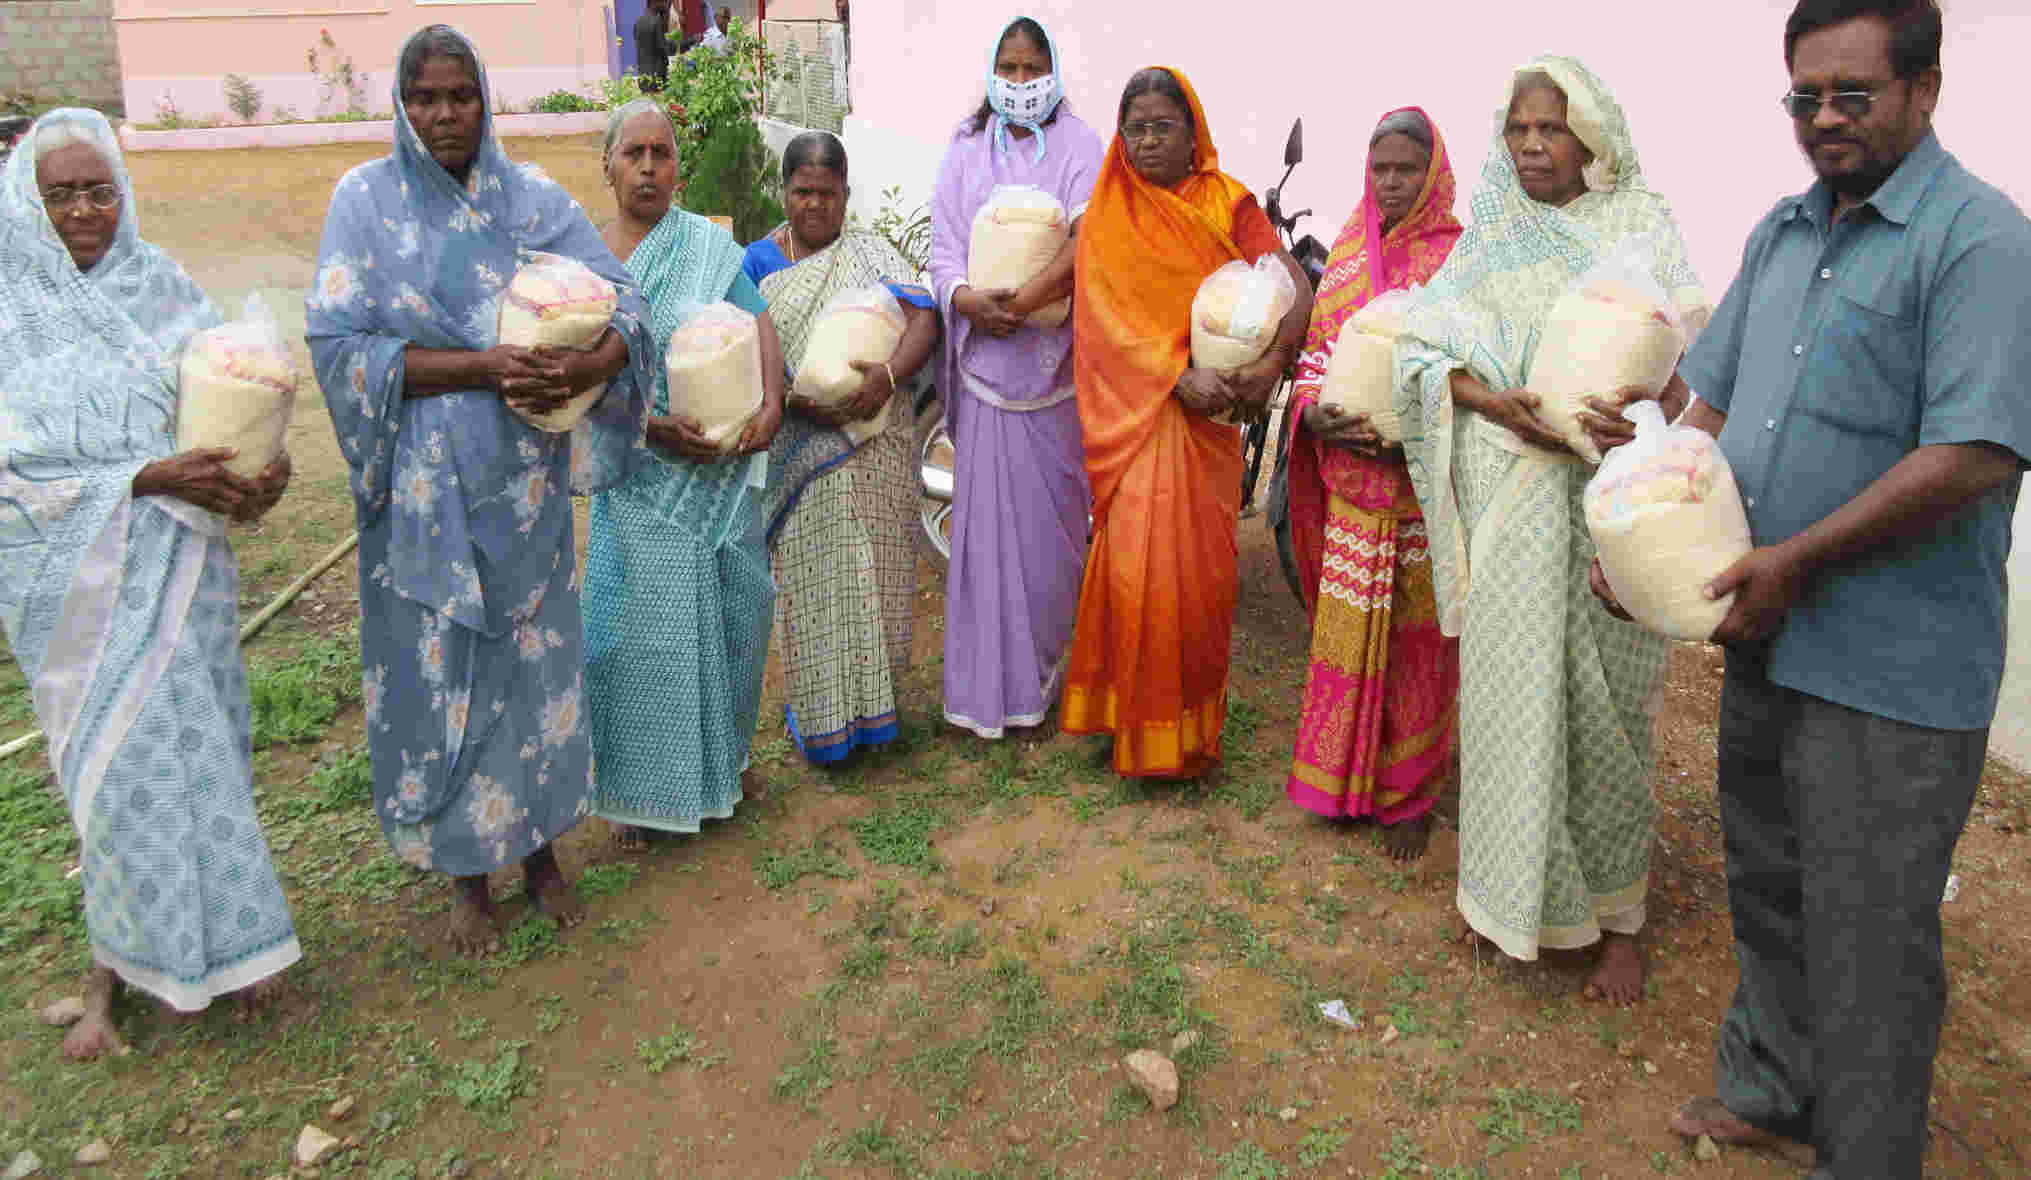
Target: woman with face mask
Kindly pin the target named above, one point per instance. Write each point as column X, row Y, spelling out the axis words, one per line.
column 1020, row 503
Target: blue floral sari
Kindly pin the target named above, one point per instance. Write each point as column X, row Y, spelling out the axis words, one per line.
column 470, row 636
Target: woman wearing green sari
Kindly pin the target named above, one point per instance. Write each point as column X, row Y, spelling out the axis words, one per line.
column 841, row 504
column 678, row 592
column 1555, row 723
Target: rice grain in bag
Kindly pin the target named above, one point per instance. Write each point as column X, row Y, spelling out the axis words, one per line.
column 1666, row 518
column 237, row 387
column 1015, row 236
column 557, row 302
column 1612, row 330
column 1360, row 375
column 1237, row 311
column 862, row 324
column 714, row 371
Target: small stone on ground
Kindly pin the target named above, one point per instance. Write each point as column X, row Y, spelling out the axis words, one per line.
column 1288, row 1114
column 341, row 1109
column 98, row 1151
column 25, row 1164
column 1185, row 1040
column 312, row 1145
column 1706, row 1150
column 1155, row 1075
column 64, row 1012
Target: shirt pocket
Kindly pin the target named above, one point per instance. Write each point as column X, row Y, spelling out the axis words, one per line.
column 1864, row 370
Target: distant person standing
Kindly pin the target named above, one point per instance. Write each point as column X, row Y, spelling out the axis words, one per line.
column 1865, row 378
column 652, row 44
column 716, row 38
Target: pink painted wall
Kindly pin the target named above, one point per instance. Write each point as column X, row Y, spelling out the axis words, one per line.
column 1700, row 89
column 182, row 49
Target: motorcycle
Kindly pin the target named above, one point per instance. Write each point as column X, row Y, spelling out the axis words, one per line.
column 937, row 459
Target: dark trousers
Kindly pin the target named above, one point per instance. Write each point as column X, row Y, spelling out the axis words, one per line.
column 1840, row 827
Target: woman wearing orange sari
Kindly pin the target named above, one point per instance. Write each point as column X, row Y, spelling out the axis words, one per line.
column 1149, row 654
column 1382, row 696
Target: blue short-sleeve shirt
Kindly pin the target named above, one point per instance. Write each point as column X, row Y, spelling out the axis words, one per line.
column 1840, row 349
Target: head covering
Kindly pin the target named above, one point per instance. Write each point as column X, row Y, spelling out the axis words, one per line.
column 1365, row 262
column 412, row 256
column 1482, row 310
column 1033, row 103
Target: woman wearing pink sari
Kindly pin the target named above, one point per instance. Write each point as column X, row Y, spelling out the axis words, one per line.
column 1376, row 728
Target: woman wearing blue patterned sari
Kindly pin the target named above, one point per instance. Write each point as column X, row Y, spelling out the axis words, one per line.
column 471, row 644
column 677, row 587
column 841, row 502
column 118, row 588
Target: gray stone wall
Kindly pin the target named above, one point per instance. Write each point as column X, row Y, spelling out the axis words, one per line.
column 59, row 49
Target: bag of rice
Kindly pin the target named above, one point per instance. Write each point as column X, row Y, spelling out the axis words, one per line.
column 1612, row 330
column 1015, row 236
column 1666, row 518
column 1237, row 311
column 237, row 386
column 1360, row 375
column 560, row 303
column 862, row 324
column 714, row 366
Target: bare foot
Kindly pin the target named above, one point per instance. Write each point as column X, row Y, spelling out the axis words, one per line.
column 1408, row 840
column 629, row 838
column 753, row 787
column 549, row 892
column 1618, row 973
column 1710, row 1117
column 94, row 1036
column 254, row 1001
column 475, row 925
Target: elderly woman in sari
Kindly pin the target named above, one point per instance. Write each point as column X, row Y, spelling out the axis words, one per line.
column 677, row 586
column 1375, row 729
column 842, row 493
column 1019, row 519
column 1555, row 733
column 470, row 636
column 1149, row 654
column 119, row 588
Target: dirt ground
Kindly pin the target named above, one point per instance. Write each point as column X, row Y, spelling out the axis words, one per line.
column 931, row 962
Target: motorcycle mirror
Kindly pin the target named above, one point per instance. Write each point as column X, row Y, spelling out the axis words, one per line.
column 1294, row 147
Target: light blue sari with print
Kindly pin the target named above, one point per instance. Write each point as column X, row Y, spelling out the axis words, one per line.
column 678, row 595
column 121, row 610
column 470, row 636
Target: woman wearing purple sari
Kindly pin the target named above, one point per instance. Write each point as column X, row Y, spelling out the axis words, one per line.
column 1019, row 518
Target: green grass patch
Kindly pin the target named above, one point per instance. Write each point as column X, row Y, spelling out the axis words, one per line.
column 677, row 1046
column 36, row 895
column 296, row 697
column 489, row 1086
column 607, row 880
column 899, row 834
column 1250, row 1161
column 529, row 939
column 779, row 870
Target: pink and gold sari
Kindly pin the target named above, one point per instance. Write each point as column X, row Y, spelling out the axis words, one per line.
column 1376, row 727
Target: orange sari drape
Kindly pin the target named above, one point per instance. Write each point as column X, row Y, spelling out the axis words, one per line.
column 1149, row 655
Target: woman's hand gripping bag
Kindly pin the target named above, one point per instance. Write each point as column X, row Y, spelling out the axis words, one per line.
column 1666, row 519
column 557, row 302
column 714, row 371
column 863, row 324
column 1015, row 236
column 237, row 389
column 1360, row 375
column 1612, row 330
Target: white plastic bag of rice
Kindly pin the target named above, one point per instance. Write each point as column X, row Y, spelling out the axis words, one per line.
column 557, row 302
column 1015, row 236
column 1612, row 330
column 237, row 389
column 862, row 324
column 1360, row 375
column 1237, row 311
column 1667, row 519
column 714, row 367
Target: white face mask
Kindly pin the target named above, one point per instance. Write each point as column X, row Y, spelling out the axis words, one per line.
column 1023, row 102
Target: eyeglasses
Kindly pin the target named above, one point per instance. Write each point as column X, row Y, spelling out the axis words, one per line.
column 1852, row 104
column 100, row 196
column 1153, row 129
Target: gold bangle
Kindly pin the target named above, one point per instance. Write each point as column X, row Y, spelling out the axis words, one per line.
column 892, row 376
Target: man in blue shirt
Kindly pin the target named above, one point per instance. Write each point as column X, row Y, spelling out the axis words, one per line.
column 1866, row 379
